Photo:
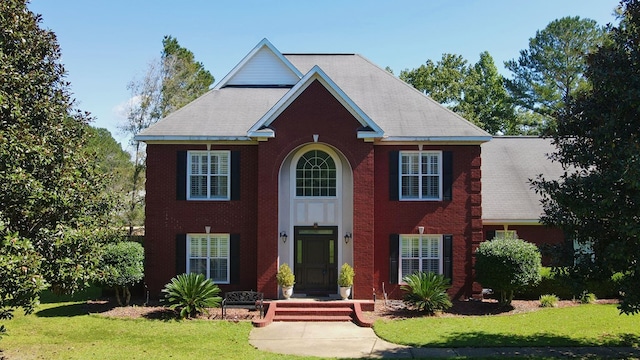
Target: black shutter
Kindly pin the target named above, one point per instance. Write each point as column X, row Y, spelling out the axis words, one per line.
column 447, row 261
column 234, row 258
column 393, row 176
column 181, row 176
column 491, row 234
column 447, row 175
column 181, row 254
column 235, row 175
column 394, row 247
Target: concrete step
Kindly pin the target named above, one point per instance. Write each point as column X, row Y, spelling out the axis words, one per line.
column 314, row 318
column 323, row 311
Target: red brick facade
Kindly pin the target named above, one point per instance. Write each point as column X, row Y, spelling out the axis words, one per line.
column 254, row 217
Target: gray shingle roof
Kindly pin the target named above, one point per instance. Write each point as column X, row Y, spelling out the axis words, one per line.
column 402, row 112
column 508, row 163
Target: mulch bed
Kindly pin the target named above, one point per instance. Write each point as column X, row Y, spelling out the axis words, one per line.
column 392, row 309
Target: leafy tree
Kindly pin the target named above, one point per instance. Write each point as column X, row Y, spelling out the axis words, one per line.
column 123, row 266
column 115, row 165
column 475, row 92
column 20, row 280
column 552, row 68
column 507, row 265
column 169, row 83
column 598, row 142
column 52, row 197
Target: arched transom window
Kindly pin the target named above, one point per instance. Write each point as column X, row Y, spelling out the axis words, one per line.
column 316, row 174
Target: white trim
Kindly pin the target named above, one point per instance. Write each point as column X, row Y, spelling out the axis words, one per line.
column 511, row 222
column 208, row 257
column 438, row 139
column 149, row 138
column 421, row 236
column 316, row 73
column 209, row 153
column 250, row 55
column 420, row 175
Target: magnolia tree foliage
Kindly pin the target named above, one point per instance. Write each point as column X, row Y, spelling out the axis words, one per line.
column 123, row 266
column 507, row 265
column 20, row 279
column 52, row 198
column 596, row 201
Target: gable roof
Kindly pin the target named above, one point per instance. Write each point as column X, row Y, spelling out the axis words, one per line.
column 316, row 74
column 264, row 66
column 253, row 94
column 508, row 165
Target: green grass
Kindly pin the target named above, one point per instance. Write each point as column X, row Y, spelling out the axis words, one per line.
column 585, row 325
column 65, row 331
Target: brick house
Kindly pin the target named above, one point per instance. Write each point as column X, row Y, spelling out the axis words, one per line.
column 313, row 160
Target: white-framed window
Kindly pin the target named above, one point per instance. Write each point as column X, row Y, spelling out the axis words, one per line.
column 208, row 254
column 421, row 175
column 506, row 234
column 316, row 175
column 420, row 253
column 208, row 175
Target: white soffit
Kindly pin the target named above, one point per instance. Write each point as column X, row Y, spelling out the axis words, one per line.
column 316, row 73
column 263, row 66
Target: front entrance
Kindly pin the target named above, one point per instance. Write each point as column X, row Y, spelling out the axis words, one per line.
column 316, row 251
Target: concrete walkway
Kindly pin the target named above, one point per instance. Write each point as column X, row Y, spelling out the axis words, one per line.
column 347, row 340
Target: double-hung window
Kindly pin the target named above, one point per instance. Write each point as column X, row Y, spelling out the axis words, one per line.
column 208, row 175
column 420, row 253
column 421, row 175
column 506, row 234
column 208, row 254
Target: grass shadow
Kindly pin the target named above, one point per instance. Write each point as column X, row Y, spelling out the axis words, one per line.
column 474, row 338
column 77, row 309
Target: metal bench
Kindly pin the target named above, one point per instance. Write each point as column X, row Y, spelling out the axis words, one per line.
column 251, row 300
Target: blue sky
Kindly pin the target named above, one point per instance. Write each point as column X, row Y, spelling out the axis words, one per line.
column 107, row 43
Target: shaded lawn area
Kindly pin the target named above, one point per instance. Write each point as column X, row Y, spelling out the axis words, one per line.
column 65, row 331
column 585, row 325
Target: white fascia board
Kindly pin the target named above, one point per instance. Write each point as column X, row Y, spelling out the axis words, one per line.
column 511, row 222
column 251, row 54
column 439, row 139
column 165, row 138
column 316, row 73
column 263, row 133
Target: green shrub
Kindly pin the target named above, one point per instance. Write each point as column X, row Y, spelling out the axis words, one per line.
column 549, row 300
column 507, row 265
column 558, row 281
column 426, row 292
column 191, row 294
column 587, row 298
column 122, row 265
column 345, row 279
column 285, row 277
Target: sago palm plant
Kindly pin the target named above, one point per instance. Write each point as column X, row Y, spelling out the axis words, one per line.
column 426, row 292
column 191, row 294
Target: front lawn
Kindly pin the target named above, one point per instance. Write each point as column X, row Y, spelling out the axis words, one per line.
column 585, row 325
column 64, row 331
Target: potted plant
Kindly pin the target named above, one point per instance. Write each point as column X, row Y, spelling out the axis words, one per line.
column 285, row 279
column 345, row 280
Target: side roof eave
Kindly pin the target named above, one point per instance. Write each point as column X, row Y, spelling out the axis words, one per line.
column 264, row 43
column 316, row 73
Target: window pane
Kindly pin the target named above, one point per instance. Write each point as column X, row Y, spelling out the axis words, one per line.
column 198, row 247
column 430, row 187
column 431, row 265
column 218, row 270
column 409, row 266
column 218, row 187
column 198, row 266
column 316, row 174
column 410, row 185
